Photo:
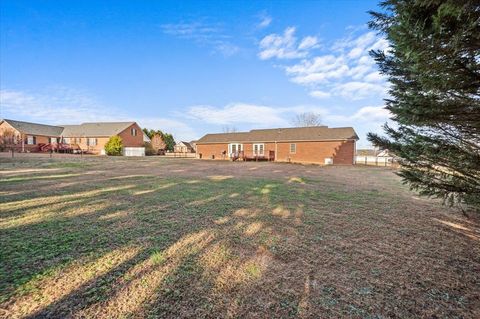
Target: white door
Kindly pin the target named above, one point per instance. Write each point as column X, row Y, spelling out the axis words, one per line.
column 234, row 149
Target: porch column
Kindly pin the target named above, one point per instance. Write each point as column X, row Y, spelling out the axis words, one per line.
column 23, row 142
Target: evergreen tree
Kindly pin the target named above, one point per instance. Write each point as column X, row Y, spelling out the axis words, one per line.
column 433, row 67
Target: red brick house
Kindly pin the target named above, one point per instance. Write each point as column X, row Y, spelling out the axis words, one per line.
column 319, row 145
column 89, row 137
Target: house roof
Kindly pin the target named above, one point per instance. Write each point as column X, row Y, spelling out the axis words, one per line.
column 34, row 128
column 366, row 152
column 187, row 144
column 315, row 133
column 95, row 129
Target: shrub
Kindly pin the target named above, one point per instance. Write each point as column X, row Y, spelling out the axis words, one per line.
column 149, row 150
column 114, row 146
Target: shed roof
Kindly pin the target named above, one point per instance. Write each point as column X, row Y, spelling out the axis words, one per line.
column 315, row 133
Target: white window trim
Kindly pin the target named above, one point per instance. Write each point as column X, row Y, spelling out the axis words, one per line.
column 239, row 148
column 133, row 131
column 89, row 139
column 31, row 139
column 262, row 153
column 295, row 151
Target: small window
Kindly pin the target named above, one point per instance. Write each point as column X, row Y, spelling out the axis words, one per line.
column 53, row 140
column 293, row 148
column 66, row 140
column 133, row 131
column 91, row 141
column 31, row 140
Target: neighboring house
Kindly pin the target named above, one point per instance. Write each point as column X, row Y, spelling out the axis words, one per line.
column 373, row 152
column 158, row 144
column 89, row 137
column 194, row 145
column 27, row 136
column 375, row 157
column 183, row 147
column 367, row 152
column 146, row 139
column 319, row 145
column 385, row 153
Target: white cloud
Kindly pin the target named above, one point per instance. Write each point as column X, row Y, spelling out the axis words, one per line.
column 238, row 113
column 346, row 70
column 308, row 43
column 285, row 46
column 320, row 94
column 369, row 115
column 372, row 114
column 359, row 90
column 265, row 21
column 212, row 35
column 66, row 106
column 57, row 106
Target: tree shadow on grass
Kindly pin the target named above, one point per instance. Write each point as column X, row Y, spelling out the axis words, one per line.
column 240, row 248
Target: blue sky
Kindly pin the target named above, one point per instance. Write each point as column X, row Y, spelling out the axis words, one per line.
column 191, row 67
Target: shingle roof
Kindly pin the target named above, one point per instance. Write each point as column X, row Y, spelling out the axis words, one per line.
column 187, row 144
column 95, row 129
column 366, row 152
column 316, row 133
column 35, row 129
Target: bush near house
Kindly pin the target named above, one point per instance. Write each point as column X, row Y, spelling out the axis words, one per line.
column 149, row 150
column 114, row 146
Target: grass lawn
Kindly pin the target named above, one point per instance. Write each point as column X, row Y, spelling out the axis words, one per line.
column 153, row 237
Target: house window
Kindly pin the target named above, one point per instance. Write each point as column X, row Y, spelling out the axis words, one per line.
column 53, row 140
column 234, row 149
column 31, row 140
column 66, row 140
column 133, row 131
column 293, row 148
column 259, row 149
column 91, row 141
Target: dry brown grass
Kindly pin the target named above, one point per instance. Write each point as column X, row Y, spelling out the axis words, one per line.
column 139, row 238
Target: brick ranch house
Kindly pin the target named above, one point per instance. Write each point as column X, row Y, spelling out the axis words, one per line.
column 318, row 145
column 89, row 137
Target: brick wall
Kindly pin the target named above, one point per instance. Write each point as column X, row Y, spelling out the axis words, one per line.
column 212, row 151
column 129, row 140
column 341, row 152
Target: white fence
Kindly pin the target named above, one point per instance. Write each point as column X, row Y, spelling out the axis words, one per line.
column 180, row 154
column 375, row 161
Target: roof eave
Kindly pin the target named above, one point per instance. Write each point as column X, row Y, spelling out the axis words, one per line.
column 282, row 141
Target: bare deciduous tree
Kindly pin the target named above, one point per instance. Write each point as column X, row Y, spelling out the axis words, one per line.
column 307, row 119
column 229, row 129
column 8, row 139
